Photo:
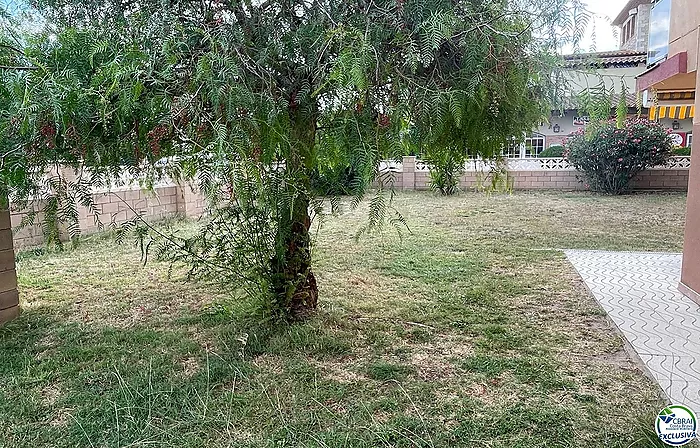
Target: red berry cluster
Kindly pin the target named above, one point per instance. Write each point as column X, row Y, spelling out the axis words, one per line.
column 182, row 120
column 257, row 152
column 155, row 136
column 47, row 130
column 48, row 133
column 201, row 129
column 383, row 121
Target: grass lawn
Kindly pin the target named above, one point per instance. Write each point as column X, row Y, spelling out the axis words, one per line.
column 473, row 330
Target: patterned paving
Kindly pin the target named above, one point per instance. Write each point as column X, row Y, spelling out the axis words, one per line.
column 638, row 291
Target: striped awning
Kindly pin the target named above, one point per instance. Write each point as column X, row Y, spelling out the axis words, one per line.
column 672, row 112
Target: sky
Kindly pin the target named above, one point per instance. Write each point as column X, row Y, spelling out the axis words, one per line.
column 605, row 11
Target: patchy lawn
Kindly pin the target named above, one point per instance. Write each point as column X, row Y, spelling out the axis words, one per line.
column 473, row 330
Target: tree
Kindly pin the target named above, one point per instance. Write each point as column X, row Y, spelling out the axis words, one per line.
column 252, row 97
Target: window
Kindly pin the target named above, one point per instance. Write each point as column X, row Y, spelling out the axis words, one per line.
column 633, row 27
column 531, row 147
column 689, row 140
column 534, row 145
column 659, row 31
column 629, row 29
column 512, row 151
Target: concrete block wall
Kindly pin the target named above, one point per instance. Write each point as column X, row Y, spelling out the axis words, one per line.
column 553, row 179
column 116, row 207
column 655, row 179
column 9, row 297
column 190, row 202
column 111, row 207
column 546, row 180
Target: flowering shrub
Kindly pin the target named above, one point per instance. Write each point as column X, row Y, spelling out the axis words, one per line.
column 610, row 157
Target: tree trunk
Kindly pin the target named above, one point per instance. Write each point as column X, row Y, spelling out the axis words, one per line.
column 294, row 282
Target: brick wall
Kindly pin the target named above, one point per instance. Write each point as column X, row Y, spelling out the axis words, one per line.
column 116, row 207
column 411, row 177
column 656, row 179
column 9, row 298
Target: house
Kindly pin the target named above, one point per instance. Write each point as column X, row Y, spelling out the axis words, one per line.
column 669, row 86
column 633, row 25
column 616, row 70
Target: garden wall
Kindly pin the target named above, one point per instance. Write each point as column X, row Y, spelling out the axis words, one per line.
column 532, row 174
column 9, row 298
column 117, row 206
column 169, row 199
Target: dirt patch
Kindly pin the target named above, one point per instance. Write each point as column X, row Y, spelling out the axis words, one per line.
column 50, row 394
column 61, row 418
column 269, row 364
column 190, row 366
column 344, row 372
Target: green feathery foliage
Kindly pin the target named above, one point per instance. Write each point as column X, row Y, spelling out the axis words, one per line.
column 252, row 99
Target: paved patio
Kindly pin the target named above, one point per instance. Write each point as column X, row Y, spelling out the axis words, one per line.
column 639, row 293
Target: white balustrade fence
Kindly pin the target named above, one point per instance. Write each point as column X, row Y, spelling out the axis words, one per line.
column 545, row 173
column 533, row 164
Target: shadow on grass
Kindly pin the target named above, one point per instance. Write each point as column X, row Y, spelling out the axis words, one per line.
column 73, row 384
column 238, row 383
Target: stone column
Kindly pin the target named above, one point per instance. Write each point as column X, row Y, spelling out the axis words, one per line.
column 9, row 298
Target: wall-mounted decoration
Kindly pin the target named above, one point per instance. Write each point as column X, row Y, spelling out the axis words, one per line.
column 582, row 120
column 678, row 139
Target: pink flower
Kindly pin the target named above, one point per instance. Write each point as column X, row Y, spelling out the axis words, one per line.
column 620, row 159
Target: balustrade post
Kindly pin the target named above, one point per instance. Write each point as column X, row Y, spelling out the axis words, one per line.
column 409, row 173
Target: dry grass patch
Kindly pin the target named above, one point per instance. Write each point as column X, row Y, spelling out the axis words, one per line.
column 469, row 331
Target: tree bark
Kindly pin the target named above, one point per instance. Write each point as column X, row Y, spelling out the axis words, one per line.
column 294, row 281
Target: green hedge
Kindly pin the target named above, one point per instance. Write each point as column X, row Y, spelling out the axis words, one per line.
column 683, row 151
column 553, row 151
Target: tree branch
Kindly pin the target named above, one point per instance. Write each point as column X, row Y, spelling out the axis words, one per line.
column 18, row 68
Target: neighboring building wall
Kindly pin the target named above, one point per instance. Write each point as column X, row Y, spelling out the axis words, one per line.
column 640, row 40
column 688, row 19
column 565, row 122
column 686, row 127
column 9, row 298
column 567, row 127
column 578, row 81
column 582, row 79
column 683, row 34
